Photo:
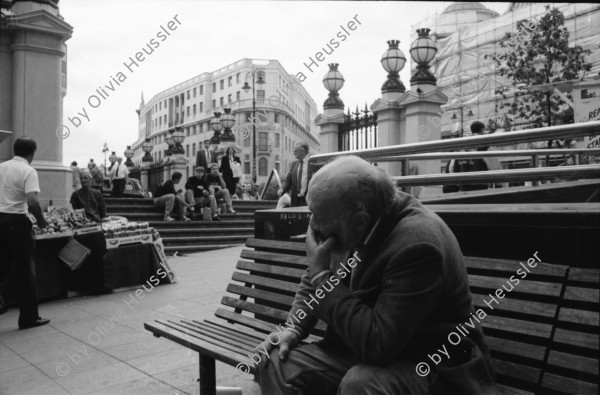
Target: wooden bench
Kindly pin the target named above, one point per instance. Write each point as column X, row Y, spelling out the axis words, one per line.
column 542, row 335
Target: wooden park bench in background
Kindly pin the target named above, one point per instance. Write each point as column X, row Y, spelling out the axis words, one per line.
column 543, row 336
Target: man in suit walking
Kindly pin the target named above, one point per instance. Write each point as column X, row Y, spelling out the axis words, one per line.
column 205, row 157
column 296, row 181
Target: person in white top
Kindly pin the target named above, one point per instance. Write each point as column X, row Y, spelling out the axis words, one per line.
column 19, row 188
column 119, row 176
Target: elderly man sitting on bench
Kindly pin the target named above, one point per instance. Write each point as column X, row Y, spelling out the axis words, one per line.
column 388, row 278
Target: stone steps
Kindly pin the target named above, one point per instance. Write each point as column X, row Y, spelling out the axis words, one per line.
column 197, row 234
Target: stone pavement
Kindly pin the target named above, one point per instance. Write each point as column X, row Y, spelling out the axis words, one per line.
column 98, row 345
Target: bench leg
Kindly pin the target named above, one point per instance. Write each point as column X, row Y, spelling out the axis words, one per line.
column 208, row 377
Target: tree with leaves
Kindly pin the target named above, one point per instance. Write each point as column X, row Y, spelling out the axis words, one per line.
column 537, row 53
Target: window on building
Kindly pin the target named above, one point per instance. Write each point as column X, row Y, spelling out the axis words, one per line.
column 277, row 166
column 237, row 96
column 276, row 142
column 188, row 95
column 248, row 117
column 214, row 87
column 246, row 167
column 194, row 92
column 194, row 109
column 221, row 101
column 214, row 103
column 276, row 120
column 262, row 166
column 260, row 96
column 229, row 81
column 188, row 111
column 187, row 150
column 263, row 141
column 237, row 78
column 222, row 84
column 194, row 149
column 201, row 107
column 247, row 157
column 201, row 89
column 187, row 132
column 229, row 98
column 247, row 141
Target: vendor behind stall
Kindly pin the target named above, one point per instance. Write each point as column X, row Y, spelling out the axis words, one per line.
column 89, row 199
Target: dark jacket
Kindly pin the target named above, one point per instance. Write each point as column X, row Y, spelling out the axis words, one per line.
column 194, row 182
column 202, row 160
column 226, row 167
column 291, row 182
column 408, row 292
column 165, row 188
column 91, row 201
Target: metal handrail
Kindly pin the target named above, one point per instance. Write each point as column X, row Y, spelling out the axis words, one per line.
column 497, row 139
column 496, row 176
column 488, row 154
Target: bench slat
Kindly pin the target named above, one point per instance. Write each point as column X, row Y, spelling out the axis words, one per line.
column 570, row 386
column 516, row 371
column 258, row 325
column 545, row 310
column 504, row 390
column 573, row 362
column 585, row 295
column 232, row 338
column 511, row 266
column 254, row 308
column 536, row 288
column 512, row 347
column 276, row 245
column 273, row 257
column 591, row 276
column 516, row 327
column 579, row 339
column 265, row 282
column 579, row 317
column 260, row 294
column 258, row 337
column 217, row 352
column 270, row 269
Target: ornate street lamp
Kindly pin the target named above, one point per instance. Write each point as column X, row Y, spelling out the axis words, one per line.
column 147, row 148
column 170, row 143
column 423, row 50
column 178, row 138
column 227, row 120
column 129, row 154
column 333, row 82
column 258, row 77
column 393, row 61
column 216, row 126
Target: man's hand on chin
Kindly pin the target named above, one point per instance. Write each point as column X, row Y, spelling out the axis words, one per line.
column 318, row 253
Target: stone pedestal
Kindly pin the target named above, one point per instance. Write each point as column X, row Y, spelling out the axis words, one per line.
column 390, row 121
column 144, row 175
column 178, row 163
column 329, row 124
column 33, row 85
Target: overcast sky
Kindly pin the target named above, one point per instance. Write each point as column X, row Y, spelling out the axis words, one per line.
column 214, row 34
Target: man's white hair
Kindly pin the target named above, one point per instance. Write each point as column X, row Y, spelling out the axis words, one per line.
column 355, row 184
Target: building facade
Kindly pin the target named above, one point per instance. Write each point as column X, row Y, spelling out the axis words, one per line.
column 466, row 33
column 284, row 116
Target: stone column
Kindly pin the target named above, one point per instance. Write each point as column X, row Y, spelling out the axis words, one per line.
column 179, row 163
column 422, row 123
column 390, row 124
column 329, row 124
column 144, row 175
column 32, row 48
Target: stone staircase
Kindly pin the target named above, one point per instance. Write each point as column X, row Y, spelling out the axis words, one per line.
column 195, row 235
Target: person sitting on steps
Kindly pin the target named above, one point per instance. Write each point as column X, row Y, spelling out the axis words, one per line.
column 217, row 186
column 165, row 196
column 196, row 193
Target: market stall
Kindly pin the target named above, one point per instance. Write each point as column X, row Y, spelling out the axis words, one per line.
column 76, row 255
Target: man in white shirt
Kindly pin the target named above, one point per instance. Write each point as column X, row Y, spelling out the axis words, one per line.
column 119, row 176
column 296, row 181
column 19, row 188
